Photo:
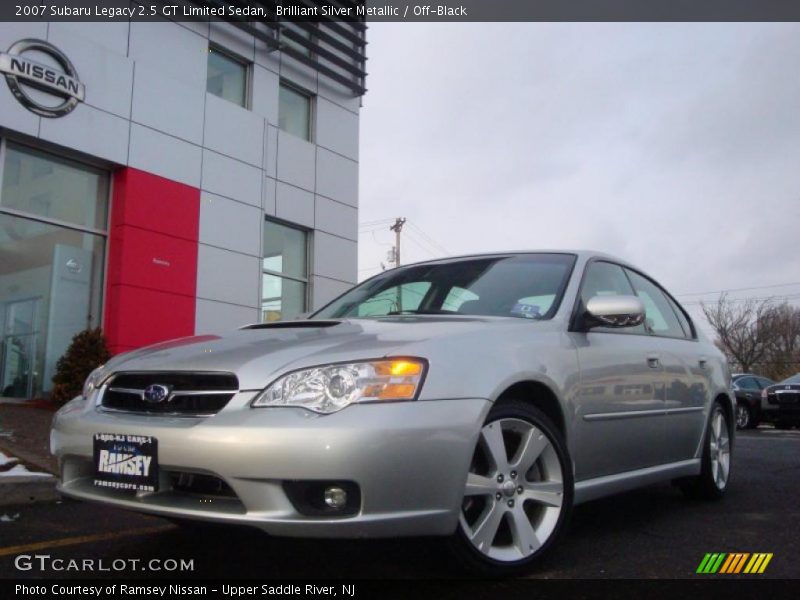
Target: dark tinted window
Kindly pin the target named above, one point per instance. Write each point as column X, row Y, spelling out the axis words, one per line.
column 747, row 383
column 792, row 379
column 526, row 286
column 763, row 382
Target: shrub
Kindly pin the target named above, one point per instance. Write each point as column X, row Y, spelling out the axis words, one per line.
column 86, row 352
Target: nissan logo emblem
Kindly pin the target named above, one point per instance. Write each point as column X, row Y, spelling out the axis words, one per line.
column 155, row 393
column 20, row 72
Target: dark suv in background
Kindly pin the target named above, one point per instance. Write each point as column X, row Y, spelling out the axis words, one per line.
column 750, row 409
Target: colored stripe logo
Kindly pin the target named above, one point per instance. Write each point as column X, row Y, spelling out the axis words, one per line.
column 734, row 563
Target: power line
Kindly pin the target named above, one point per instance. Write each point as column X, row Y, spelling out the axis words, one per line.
column 745, row 289
column 373, row 228
column 419, row 245
column 430, row 239
column 375, row 222
column 376, row 240
column 749, row 298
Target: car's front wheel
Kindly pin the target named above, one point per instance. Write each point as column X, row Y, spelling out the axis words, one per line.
column 518, row 492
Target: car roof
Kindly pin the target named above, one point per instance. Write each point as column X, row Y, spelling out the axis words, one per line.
column 584, row 254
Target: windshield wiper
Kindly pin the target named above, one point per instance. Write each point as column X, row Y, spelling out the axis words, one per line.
column 423, row 311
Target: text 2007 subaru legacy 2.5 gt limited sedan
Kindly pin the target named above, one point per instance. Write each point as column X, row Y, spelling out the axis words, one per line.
column 478, row 398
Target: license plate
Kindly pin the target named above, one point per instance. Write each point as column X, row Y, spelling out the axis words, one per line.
column 126, row 462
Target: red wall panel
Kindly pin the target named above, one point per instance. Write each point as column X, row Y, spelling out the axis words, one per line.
column 152, row 260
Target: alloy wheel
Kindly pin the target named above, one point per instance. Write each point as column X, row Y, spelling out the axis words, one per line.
column 720, row 450
column 514, row 492
column 742, row 416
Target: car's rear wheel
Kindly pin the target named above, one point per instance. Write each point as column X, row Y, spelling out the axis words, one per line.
column 518, row 492
column 744, row 416
column 715, row 471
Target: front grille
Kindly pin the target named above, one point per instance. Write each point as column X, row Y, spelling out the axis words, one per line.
column 784, row 397
column 189, row 393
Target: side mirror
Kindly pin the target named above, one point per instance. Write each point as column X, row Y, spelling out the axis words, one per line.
column 614, row 311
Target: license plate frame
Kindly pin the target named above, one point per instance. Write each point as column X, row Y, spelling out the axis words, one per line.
column 125, row 462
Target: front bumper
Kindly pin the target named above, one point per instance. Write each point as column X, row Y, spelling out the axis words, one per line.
column 410, row 460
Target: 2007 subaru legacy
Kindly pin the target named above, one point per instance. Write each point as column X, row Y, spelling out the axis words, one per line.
column 478, row 398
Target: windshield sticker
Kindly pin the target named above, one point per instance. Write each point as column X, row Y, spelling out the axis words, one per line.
column 529, row 311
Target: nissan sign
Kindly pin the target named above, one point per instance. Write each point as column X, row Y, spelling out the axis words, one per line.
column 22, row 72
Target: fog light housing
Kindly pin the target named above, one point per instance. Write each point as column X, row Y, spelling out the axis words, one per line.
column 335, row 497
column 331, row 498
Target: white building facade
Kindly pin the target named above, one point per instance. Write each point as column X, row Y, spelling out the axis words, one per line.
column 171, row 179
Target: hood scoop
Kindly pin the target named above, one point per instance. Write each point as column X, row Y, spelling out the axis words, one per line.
column 307, row 324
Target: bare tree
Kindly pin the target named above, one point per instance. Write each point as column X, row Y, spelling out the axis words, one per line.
column 783, row 352
column 745, row 329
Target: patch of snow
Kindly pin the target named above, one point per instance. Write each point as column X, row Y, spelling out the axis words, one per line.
column 17, row 470
column 9, row 518
column 6, row 459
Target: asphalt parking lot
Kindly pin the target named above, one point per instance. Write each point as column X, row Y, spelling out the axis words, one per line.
column 650, row 533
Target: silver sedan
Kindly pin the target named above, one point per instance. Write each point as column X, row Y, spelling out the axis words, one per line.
column 477, row 398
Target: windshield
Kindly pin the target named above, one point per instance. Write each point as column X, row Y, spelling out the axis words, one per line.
column 526, row 286
column 792, row 379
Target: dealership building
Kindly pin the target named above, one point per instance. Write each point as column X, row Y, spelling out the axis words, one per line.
column 163, row 179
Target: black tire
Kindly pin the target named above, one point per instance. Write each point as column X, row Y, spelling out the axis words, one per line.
column 472, row 560
column 707, row 485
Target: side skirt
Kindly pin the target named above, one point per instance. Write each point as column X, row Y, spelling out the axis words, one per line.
column 599, row 487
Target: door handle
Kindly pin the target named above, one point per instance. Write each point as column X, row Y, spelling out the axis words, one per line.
column 653, row 361
column 703, row 362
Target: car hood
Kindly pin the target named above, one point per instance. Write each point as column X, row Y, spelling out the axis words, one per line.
column 257, row 354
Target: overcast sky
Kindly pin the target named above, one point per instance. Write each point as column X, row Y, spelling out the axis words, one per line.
column 674, row 146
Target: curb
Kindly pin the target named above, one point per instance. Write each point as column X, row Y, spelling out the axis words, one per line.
column 26, row 489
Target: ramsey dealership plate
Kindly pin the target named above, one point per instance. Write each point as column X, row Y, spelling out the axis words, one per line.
column 126, row 462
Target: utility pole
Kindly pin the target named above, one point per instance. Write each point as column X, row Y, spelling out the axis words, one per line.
column 397, row 228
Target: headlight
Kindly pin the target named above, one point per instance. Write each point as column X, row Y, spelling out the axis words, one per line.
column 93, row 381
column 329, row 388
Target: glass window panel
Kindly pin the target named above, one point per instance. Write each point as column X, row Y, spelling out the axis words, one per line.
column 660, row 316
column 607, row 279
column 682, row 318
column 285, row 250
column 485, row 286
column 281, row 298
column 38, row 183
column 50, row 288
column 456, row 297
column 294, row 112
column 304, row 33
column 227, row 77
column 396, row 299
column 747, row 383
